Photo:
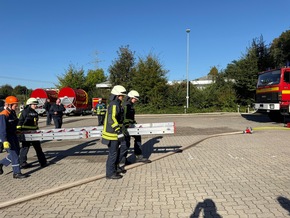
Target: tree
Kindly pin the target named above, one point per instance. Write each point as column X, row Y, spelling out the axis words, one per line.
column 199, row 98
column 224, row 92
column 72, row 77
column 176, row 94
column 22, row 93
column 94, row 77
column 149, row 79
column 5, row 91
column 213, row 73
column 121, row 69
column 20, row 90
column 262, row 53
column 245, row 71
column 280, row 50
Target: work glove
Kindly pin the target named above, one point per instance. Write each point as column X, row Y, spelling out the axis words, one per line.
column 6, row 145
column 121, row 136
column 19, row 131
column 125, row 131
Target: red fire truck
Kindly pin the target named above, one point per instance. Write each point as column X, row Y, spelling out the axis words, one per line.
column 273, row 93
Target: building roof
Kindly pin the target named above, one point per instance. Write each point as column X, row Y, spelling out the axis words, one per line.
column 105, row 84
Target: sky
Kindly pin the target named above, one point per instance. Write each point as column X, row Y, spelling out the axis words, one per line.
column 39, row 40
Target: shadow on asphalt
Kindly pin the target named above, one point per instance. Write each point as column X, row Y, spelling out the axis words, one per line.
column 257, row 117
column 82, row 150
column 148, row 148
column 284, row 202
column 59, row 155
column 262, row 118
column 208, row 207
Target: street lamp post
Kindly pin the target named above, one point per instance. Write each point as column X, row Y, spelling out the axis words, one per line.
column 187, row 62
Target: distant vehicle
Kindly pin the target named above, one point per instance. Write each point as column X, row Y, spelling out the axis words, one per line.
column 42, row 95
column 273, row 93
column 75, row 101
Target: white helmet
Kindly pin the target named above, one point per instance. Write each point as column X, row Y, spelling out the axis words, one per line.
column 134, row 94
column 31, row 101
column 118, row 90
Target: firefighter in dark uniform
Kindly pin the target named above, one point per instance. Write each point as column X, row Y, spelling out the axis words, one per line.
column 2, row 108
column 8, row 123
column 129, row 121
column 28, row 120
column 112, row 133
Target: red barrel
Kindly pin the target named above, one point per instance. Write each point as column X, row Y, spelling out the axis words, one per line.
column 70, row 97
column 43, row 94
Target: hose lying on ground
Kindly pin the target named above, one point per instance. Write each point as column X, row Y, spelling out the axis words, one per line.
column 101, row 176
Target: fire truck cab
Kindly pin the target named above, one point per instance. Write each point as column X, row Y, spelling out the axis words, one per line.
column 273, row 93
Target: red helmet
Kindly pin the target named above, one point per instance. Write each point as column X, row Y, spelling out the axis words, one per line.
column 11, row 100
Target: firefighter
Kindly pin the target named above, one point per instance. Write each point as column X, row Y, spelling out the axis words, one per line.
column 129, row 121
column 28, row 120
column 2, row 108
column 101, row 112
column 8, row 123
column 112, row 132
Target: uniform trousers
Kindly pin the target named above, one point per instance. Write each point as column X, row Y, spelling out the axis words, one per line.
column 48, row 118
column 112, row 161
column 101, row 119
column 37, row 147
column 13, row 156
column 1, row 147
column 125, row 145
column 57, row 120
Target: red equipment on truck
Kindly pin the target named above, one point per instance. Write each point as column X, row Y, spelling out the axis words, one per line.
column 75, row 101
column 42, row 95
column 273, row 93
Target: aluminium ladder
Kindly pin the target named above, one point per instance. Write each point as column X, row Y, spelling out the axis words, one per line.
column 95, row 132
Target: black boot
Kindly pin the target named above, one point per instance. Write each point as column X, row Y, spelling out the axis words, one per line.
column 116, row 176
column 26, row 165
column 1, row 169
column 19, row 176
column 42, row 165
column 141, row 159
column 121, row 170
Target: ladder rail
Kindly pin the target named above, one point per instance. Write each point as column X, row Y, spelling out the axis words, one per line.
column 94, row 132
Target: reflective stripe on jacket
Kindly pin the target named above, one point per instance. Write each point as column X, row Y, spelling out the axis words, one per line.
column 101, row 109
column 28, row 119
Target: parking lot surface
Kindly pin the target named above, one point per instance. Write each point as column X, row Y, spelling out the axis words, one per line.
column 208, row 168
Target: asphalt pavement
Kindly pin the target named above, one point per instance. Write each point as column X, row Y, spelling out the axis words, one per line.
column 208, row 168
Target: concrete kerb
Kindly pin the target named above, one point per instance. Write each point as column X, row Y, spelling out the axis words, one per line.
column 101, row 176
